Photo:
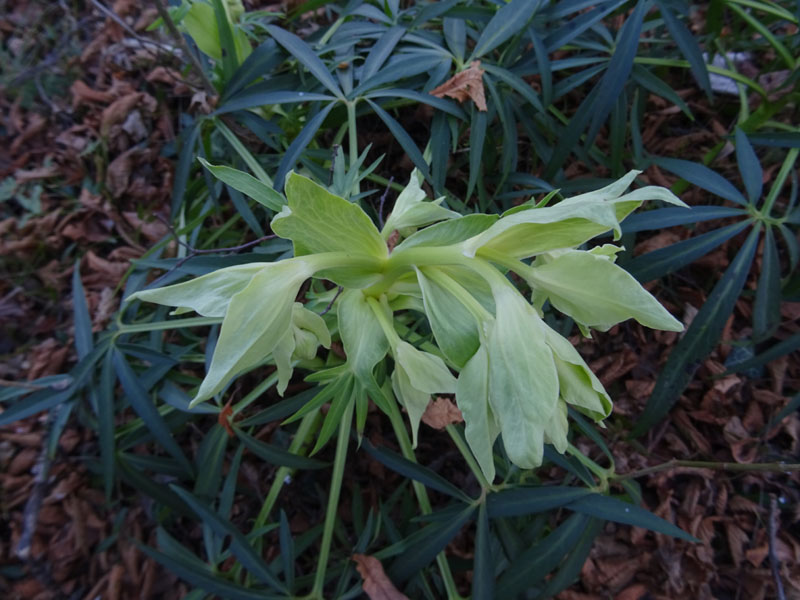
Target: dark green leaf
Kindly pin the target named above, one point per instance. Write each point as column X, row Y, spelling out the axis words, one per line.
column 687, row 43
column 145, row 484
column 701, row 337
column 508, row 20
column 287, row 550
column 661, row 218
column 403, row 139
column 530, row 500
column 239, row 547
column 767, row 305
column 619, row 68
column 483, row 570
column 779, row 139
column 261, row 62
column 442, row 104
column 571, row 567
column 381, row 51
column 36, row 402
column 209, row 459
column 414, row 471
column 303, row 53
column 531, row 566
column 266, row 95
column 80, row 312
column 569, row 31
column 105, row 423
column 669, row 259
column 204, row 579
column 455, row 36
column 299, row 144
column 653, row 84
column 143, row 405
column 230, row 61
column 612, row 509
column 436, row 537
column 749, row 167
column 477, row 136
column 278, row 456
column 702, row 177
column 787, row 346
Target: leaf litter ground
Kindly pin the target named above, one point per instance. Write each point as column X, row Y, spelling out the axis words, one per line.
column 121, row 92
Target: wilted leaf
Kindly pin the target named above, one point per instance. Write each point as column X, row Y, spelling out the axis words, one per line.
column 467, row 84
column 376, row 584
column 441, row 412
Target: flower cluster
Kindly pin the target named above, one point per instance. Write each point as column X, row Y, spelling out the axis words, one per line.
column 512, row 375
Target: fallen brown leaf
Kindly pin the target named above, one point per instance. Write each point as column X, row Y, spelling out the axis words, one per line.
column 441, row 412
column 376, row 584
column 468, row 84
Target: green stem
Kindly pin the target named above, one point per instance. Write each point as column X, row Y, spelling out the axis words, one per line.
column 602, row 473
column 333, row 500
column 714, row 466
column 468, row 300
column 422, row 495
column 301, row 437
column 161, row 325
column 786, row 168
column 352, row 141
column 462, row 446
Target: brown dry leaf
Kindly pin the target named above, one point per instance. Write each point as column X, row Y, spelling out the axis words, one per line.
column 43, row 172
column 441, row 412
column 83, row 93
column 376, row 584
column 468, row 84
column 119, row 172
column 119, row 110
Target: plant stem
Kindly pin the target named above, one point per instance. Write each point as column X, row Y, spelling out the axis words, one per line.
column 333, row 499
column 352, row 140
column 462, row 446
column 422, row 495
column 715, row 466
column 601, row 473
column 304, row 431
column 786, row 168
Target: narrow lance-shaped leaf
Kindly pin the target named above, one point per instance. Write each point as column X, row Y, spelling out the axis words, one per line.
column 700, row 338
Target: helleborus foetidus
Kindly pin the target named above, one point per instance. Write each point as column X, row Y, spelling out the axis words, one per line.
column 512, row 374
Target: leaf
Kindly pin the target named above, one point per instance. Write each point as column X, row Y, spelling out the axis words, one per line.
column 300, row 142
column 203, row 578
column 767, row 305
column 669, row 259
column 278, row 456
column 303, row 53
column 362, row 336
column 787, row 346
column 381, row 51
column 464, row 85
column 414, row 471
column 518, row 501
column 571, row 567
column 143, row 405
column 402, row 138
column 246, row 184
column 477, row 138
column 411, row 210
column 661, row 218
column 619, row 68
column 472, row 395
column 483, row 570
column 318, row 221
column 597, row 293
column 537, row 561
column 452, row 321
column 266, row 95
column 702, row 177
column 256, row 319
column 701, row 337
column 239, row 546
column 688, row 46
column 416, row 376
column 523, row 382
column 377, row 585
column 612, row 509
column 436, row 537
column 208, row 295
column 440, row 413
column 749, row 167
column 507, row 21
column 83, row 322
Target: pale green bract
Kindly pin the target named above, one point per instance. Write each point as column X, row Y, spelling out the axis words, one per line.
column 512, row 375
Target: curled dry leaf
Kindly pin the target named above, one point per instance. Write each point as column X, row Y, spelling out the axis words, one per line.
column 441, row 412
column 468, row 84
column 376, row 584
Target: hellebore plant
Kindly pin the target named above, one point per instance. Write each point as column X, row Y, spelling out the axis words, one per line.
column 512, row 375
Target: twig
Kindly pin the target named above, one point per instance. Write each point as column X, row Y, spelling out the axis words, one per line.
column 711, row 465
column 773, row 559
column 383, row 201
column 164, row 14
column 41, row 469
column 196, row 252
column 330, row 304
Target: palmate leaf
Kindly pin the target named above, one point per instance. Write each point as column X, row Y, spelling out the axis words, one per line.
column 303, row 53
column 749, row 167
column 701, row 337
